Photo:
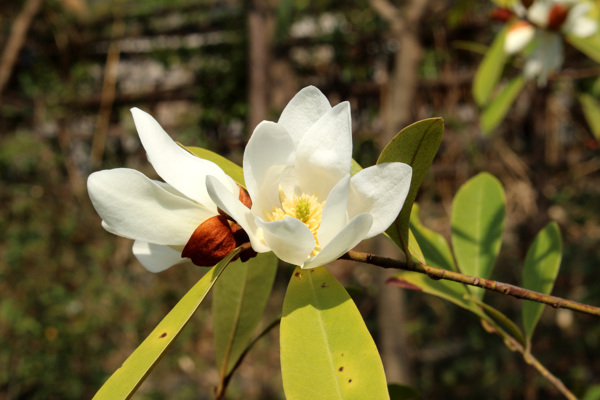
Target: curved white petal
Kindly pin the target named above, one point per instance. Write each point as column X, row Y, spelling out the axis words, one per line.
column 518, row 36
column 379, row 190
column 583, row 27
column 335, row 214
column 546, row 58
column 324, row 154
column 539, row 13
column 179, row 168
column 233, row 207
column 269, row 150
column 289, row 238
column 155, row 257
column 345, row 240
column 307, row 106
column 134, row 206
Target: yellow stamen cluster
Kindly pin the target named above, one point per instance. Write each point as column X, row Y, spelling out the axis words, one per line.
column 306, row 208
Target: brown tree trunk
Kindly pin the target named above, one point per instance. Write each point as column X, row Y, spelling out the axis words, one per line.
column 261, row 24
column 398, row 99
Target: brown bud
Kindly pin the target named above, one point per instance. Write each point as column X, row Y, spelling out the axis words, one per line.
column 211, row 242
column 527, row 3
column 245, row 198
column 501, row 14
column 558, row 15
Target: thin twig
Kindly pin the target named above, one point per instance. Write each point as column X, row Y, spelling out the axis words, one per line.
column 495, row 286
column 16, row 40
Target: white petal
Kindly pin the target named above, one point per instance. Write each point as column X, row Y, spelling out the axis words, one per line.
column 324, row 154
column 307, row 106
column 155, row 257
column 345, row 240
column 134, row 206
column 269, row 150
column 289, row 238
column 379, row 190
column 584, row 27
column 539, row 13
column 233, row 207
column 335, row 214
column 179, row 168
column 546, row 58
column 518, row 36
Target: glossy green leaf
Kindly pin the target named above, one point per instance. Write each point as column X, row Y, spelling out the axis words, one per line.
column 239, row 299
column 124, row 381
column 591, row 111
column 415, row 145
column 326, row 349
column 490, row 70
column 503, row 320
column 402, row 392
column 452, row 291
column 434, row 247
column 589, row 46
column 540, row 271
column 495, row 112
column 477, row 221
column 414, row 248
column 232, row 169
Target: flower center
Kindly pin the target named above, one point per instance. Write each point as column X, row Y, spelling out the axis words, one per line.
column 306, row 208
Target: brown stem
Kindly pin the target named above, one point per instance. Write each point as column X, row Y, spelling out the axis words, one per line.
column 495, row 286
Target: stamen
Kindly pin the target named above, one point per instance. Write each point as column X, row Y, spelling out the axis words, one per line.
column 305, row 208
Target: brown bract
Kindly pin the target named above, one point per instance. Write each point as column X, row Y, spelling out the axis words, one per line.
column 216, row 237
column 558, row 15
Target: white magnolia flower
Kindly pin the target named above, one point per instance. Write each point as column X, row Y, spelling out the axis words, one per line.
column 305, row 206
column 163, row 217
column 543, row 23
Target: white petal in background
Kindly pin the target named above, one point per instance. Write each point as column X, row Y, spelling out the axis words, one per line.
column 518, row 36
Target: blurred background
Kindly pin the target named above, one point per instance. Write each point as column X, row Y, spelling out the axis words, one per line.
column 74, row 303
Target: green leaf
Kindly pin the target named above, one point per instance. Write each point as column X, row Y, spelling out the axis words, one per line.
column 589, row 46
column 489, row 71
column 454, row 292
column 239, row 299
column 540, row 271
column 230, row 168
column 591, row 111
column 326, row 349
column 435, row 248
column 477, row 221
column 414, row 248
column 415, row 145
column 503, row 320
column 495, row 112
column 593, row 393
column 124, row 381
column 402, row 392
